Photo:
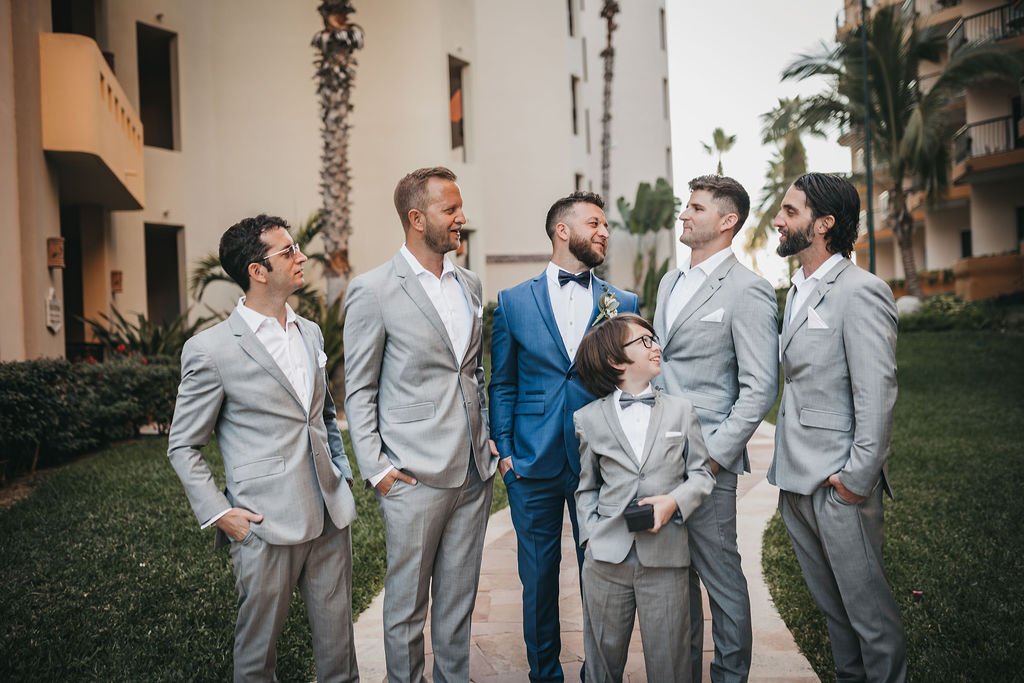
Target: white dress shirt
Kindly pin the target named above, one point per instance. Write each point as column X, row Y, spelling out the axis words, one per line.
column 449, row 299
column 572, row 305
column 690, row 280
column 634, row 420
column 285, row 346
column 451, row 302
column 805, row 285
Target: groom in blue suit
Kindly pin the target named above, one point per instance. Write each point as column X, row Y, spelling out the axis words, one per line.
column 534, row 392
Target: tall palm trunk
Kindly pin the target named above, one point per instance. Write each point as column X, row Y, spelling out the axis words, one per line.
column 902, row 222
column 608, row 12
column 335, row 73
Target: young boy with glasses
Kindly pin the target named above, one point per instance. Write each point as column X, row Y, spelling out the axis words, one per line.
column 643, row 470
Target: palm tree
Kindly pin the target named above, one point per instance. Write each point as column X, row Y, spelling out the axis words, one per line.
column 720, row 144
column 335, row 73
column 650, row 217
column 608, row 11
column 909, row 127
column 783, row 127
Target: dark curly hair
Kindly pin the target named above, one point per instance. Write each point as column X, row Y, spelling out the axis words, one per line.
column 241, row 244
column 832, row 195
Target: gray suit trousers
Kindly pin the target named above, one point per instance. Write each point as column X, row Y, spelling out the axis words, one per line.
column 612, row 595
column 716, row 562
column 435, row 540
column 266, row 576
column 839, row 547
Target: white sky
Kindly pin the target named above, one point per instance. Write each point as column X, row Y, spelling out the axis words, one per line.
column 725, row 60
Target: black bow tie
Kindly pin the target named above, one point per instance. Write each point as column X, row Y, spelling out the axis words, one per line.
column 582, row 279
column 626, row 400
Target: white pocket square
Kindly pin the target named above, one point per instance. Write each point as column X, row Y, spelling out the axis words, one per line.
column 715, row 316
column 480, row 312
column 814, row 321
column 321, row 359
column 672, row 435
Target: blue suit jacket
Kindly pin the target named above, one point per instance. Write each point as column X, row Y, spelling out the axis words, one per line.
column 534, row 388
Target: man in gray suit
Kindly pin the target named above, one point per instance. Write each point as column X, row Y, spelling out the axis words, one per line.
column 415, row 406
column 719, row 324
column 835, row 423
column 257, row 381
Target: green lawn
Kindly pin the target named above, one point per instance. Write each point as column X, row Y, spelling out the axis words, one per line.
column 107, row 577
column 956, row 528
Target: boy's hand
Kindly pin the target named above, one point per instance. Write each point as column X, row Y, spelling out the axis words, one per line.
column 664, row 508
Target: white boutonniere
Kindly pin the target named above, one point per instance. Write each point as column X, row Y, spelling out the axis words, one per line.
column 607, row 305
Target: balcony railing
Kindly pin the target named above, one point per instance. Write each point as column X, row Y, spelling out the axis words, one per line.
column 90, row 129
column 986, row 137
column 1005, row 21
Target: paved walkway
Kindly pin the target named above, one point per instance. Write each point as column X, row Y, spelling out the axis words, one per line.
column 498, row 654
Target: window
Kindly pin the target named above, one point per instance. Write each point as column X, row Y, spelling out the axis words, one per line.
column 965, row 244
column 583, row 40
column 664, row 97
column 586, row 122
column 661, row 27
column 574, row 85
column 456, row 103
column 157, row 88
column 668, row 164
column 163, row 272
column 578, row 181
column 74, row 16
column 572, row 19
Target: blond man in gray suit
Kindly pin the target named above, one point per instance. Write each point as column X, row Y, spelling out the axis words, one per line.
column 415, row 405
column 718, row 322
column 835, row 423
column 258, row 381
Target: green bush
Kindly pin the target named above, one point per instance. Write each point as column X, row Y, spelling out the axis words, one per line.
column 52, row 409
column 950, row 312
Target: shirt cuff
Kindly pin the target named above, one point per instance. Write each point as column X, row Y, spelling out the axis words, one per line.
column 379, row 477
column 213, row 520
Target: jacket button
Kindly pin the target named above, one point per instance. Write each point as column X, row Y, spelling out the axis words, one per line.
column 789, row 380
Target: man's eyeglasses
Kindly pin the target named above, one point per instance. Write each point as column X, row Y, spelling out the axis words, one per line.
column 648, row 340
column 291, row 250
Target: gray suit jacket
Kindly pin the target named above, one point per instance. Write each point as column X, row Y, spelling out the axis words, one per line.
column 410, row 402
column 836, row 413
column 674, row 462
column 278, row 461
column 722, row 353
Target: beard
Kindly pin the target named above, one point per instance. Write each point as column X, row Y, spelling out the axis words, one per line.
column 796, row 240
column 583, row 249
column 438, row 239
column 697, row 237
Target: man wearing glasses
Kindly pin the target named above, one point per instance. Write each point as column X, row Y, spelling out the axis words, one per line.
column 257, row 380
column 720, row 349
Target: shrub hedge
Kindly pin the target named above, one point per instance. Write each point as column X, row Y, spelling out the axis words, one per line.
column 52, row 409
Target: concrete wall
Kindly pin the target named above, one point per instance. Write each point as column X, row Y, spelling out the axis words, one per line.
column 942, row 236
column 994, row 217
column 12, row 339
column 37, row 205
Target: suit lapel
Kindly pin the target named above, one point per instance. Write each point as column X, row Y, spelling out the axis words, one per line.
column 254, row 348
column 823, row 287
column 611, row 417
column 412, row 287
column 312, row 355
column 661, row 311
column 539, row 287
column 653, row 427
column 473, row 300
column 712, row 283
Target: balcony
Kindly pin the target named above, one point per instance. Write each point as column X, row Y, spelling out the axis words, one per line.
column 91, row 132
column 988, row 150
column 999, row 23
column 940, row 14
